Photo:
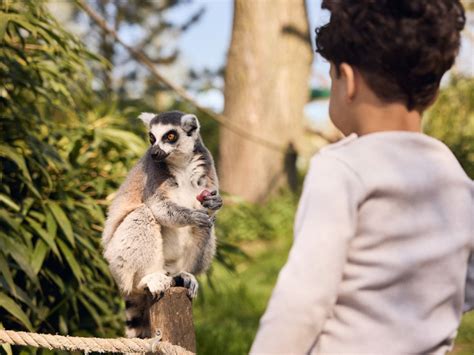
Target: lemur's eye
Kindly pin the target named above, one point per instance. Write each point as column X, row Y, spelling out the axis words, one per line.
column 152, row 138
column 170, row 137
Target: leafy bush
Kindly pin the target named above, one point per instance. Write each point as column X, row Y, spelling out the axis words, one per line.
column 227, row 313
column 63, row 154
column 59, row 160
column 452, row 120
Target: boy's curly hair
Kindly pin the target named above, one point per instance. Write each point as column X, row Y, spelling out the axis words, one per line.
column 402, row 48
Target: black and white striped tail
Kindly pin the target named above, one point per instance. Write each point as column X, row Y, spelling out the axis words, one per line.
column 137, row 318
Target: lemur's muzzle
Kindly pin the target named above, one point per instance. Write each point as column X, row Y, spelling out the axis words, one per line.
column 158, row 154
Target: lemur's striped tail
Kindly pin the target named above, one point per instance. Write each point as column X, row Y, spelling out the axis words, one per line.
column 137, row 317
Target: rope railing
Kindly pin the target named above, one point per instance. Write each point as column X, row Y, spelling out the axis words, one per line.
column 88, row 344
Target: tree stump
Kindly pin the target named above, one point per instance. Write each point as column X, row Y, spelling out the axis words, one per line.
column 172, row 315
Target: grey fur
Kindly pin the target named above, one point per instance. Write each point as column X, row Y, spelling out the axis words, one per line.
column 156, row 231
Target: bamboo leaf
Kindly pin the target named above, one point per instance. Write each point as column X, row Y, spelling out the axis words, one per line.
column 58, row 281
column 20, row 295
column 63, row 328
column 11, row 154
column 62, row 220
column 9, row 202
column 30, row 186
column 11, row 307
column 19, row 252
column 6, row 347
column 5, row 270
column 94, row 298
column 51, row 225
column 26, row 205
column 91, row 311
column 71, row 260
column 8, row 219
column 39, row 254
column 4, row 18
column 49, row 239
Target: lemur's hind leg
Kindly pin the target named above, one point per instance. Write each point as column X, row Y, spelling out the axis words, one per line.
column 198, row 258
column 135, row 254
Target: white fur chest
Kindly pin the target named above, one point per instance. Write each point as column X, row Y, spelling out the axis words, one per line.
column 189, row 183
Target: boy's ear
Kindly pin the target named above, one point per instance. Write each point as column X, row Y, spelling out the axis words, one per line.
column 189, row 123
column 347, row 74
column 146, row 117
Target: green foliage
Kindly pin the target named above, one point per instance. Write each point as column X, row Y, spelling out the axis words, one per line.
column 63, row 154
column 452, row 121
column 249, row 222
column 240, row 223
column 60, row 160
column 465, row 338
column 228, row 311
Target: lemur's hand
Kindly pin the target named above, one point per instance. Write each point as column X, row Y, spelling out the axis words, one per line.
column 212, row 201
column 200, row 218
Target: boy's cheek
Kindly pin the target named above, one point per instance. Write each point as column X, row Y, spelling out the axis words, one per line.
column 333, row 111
column 334, row 105
column 337, row 114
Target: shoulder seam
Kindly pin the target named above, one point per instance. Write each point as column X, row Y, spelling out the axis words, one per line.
column 350, row 168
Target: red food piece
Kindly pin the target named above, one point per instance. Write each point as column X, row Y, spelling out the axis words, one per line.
column 203, row 195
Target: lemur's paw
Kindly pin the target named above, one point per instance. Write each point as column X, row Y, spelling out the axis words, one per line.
column 213, row 201
column 200, row 218
column 157, row 283
column 213, row 219
column 185, row 279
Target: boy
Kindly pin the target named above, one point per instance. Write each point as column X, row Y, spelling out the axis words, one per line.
column 384, row 228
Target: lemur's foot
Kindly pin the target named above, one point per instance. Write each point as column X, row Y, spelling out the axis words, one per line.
column 185, row 279
column 157, row 283
column 213, row 201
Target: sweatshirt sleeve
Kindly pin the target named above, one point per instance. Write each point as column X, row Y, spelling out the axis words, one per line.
column 306, row 289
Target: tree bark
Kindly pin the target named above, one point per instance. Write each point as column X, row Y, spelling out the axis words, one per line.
column 172, row 315
column 266, row 88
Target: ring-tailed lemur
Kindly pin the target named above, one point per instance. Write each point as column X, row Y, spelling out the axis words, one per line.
column 157, row 233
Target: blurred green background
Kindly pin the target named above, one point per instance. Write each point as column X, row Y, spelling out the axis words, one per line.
column 67, row 141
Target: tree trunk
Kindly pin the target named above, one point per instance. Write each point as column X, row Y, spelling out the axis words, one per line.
column 266, row 87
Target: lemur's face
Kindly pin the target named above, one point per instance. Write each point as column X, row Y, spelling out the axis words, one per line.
column 172, row 135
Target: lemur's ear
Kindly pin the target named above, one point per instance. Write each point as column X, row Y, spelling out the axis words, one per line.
column 189, row 123
column 146, row 117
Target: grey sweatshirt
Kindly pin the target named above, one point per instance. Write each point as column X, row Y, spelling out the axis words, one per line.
column 383, row 233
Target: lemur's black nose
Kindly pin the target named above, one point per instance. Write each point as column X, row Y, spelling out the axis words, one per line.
column 158, row 154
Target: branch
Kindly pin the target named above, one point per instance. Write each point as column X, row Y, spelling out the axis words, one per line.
column 141, row 57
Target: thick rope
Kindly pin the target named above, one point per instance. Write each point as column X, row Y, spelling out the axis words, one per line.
column 101, row 345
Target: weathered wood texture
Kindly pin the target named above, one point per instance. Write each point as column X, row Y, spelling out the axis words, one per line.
column 172, row 315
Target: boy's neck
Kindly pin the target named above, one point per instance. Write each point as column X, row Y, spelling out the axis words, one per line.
column 386, row 117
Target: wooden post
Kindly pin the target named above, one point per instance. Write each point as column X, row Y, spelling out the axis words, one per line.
column 172, row 315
